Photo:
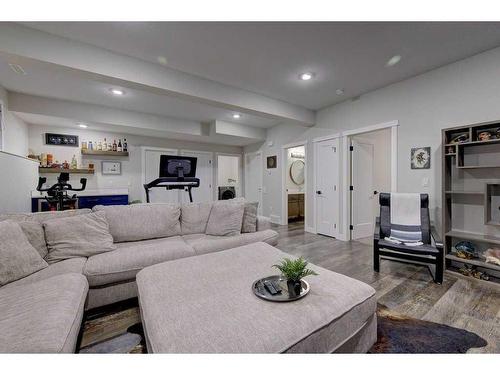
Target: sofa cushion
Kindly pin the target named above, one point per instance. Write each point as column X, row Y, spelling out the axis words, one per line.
column 123, row 263
column 18, row 258
column 249, row 224
column 73, row 265
column 142, row 221
column 203, row 243
column 226, row 218
column 31, row 224
column 77, row 236
column 194, row 217
column 42, row 317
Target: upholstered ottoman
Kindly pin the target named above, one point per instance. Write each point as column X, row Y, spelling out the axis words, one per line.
column 205, row 304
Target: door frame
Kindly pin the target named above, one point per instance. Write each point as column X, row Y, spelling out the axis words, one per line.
column 240, row 172
column 316, row 142
column 346, row 175
column 261, row 176
column 284, row 195
column 211, row 155
column 144, row 149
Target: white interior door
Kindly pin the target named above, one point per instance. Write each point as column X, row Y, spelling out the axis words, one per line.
column 362, row 194
column 326, row 191
column 204, row 171
column 253, row 178
column 152, row 172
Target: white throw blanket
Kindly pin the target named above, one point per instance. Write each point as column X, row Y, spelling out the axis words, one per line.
column 405, row 219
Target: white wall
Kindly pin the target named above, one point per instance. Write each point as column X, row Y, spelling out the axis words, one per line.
column 15, row 192
column 228, row 170
column 14, row 130
column 461, row 93
column 131, row 177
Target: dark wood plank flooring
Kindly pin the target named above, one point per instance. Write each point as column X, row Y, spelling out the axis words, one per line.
column 408, row 289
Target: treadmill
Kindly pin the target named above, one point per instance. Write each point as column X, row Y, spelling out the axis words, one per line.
column 176, row 173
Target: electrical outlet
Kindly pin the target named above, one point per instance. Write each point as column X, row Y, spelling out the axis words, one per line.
column 425, row 182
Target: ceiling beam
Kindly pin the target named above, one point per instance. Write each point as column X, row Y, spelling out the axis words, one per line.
column 22, row 43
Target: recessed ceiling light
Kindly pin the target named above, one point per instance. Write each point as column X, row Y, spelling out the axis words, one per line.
column 306, row 76
column 17, row 69
column 162, row 60
column 393, row 60
column 339, row 91
column 118, row 92
column 236, row 115
column 82, row 126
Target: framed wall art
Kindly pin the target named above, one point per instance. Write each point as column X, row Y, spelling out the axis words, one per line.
column 420, row 158
column 272, row 162
column 61, row 139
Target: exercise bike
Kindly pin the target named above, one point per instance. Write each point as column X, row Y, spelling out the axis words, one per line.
column 57, row 195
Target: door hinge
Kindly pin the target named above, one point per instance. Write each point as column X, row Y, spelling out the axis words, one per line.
column 351, row 227
column 351, row 148
column 334, row 187
column 210, row 162
column 351, row 187
column 334, row 226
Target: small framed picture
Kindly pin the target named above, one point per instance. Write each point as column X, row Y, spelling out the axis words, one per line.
column 420, row 158
column 61, row 139
column 272, row 162
column 111, row 167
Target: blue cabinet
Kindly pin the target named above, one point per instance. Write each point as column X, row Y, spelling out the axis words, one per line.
column 104, row 200
column 40, row 204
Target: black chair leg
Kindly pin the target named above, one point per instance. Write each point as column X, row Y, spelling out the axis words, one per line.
column 376, row 257
column 439, row 267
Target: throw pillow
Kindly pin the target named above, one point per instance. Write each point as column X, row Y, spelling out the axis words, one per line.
column 250, row 217
column 77, row 236
column 225, row 218
column 18, row 258
column 194, row 217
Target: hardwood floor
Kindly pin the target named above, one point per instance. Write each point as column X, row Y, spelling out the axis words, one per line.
column 408, row 289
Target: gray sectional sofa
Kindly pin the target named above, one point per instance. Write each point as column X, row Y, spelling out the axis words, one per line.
column 43, row 311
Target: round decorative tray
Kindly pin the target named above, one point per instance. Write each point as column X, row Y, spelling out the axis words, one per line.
column 284, row 296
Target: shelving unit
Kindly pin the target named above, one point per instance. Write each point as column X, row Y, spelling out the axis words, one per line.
column 471, row 194
column 60, row 170
column 104, row 153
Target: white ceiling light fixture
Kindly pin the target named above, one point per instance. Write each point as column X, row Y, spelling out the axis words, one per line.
column 83, row 126
column 17, row 69
column 339, row 91
column 393, row 61
column 236, row 116
column 162, row 60
column 306, row 76
column 117, row 92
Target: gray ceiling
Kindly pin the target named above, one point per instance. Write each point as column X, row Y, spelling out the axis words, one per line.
column 266, row 58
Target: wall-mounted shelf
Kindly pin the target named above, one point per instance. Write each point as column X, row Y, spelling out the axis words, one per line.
column 60, row 170
column 473, row 236
column 104, row 153
column 464, row 192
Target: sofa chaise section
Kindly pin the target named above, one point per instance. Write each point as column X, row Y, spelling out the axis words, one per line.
column 43, row 316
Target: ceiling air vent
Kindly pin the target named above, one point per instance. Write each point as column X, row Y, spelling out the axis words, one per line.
column 17, row 69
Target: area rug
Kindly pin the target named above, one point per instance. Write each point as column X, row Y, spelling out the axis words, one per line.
column 396, row 334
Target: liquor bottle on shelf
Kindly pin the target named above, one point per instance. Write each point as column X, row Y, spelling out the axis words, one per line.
column 90, row 146
column 84, row 145
column 99, row 146
column 110, row 146
column 74, row 164
column 119, row 148
column 115, row 146
column 125, row 145
column 105, row 145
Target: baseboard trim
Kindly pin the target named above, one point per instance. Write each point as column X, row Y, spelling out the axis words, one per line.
column 310, row 230
column 275, row 219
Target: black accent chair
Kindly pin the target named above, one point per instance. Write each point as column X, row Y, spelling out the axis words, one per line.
column 430, row 253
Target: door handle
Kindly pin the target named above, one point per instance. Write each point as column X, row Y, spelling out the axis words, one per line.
column 318, row 192
column 375, row 192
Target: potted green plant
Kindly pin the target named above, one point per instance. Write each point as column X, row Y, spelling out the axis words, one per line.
column 293, row 271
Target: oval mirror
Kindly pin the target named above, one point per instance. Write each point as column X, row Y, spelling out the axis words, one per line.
column 297, row 172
